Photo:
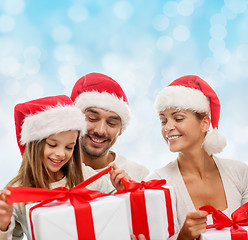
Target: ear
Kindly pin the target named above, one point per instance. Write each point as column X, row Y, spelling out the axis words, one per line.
column 120, row 132
column 205, row 124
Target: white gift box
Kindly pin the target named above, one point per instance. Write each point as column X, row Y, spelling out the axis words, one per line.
column 223, row 234
column 156, row 212
column 56, row 220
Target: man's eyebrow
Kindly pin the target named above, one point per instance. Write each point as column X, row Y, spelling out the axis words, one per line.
column 92, row 111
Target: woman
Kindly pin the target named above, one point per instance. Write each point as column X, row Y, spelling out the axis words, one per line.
column 187, row 108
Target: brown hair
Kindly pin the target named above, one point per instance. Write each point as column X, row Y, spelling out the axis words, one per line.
column 32, row 172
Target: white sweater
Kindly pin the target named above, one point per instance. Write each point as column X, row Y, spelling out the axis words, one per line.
column 136, row 171
column 234, row 175
column 18, row 224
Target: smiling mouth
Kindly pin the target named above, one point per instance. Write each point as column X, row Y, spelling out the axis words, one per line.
column 170, row 138
column 55, row 161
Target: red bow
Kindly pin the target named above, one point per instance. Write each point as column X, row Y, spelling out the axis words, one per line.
column 79, row 197
column 238, row 218
column 132, row 186
column 138, row 204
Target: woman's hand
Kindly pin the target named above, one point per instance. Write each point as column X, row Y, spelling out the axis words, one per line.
column 140, row 237
column 6, row 210
column 194, row 224
column 116, row 175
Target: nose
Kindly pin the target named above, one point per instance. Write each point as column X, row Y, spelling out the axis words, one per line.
column 169, row 126
column 101, row 128
column 60, row 153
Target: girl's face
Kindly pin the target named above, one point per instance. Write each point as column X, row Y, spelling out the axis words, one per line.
column 182, row 130
column 58, row 150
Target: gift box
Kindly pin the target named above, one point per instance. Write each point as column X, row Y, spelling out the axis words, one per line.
column 151, row 208
column 223, row 227
column 56, row 220
column 76, row 213
column 224, row 234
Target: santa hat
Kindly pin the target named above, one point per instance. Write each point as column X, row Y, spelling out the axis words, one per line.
column 99, row 90
column 192, row 93
column 38, row 119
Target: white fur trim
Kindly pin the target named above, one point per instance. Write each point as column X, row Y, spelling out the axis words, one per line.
column 105, row 101
column 182, row 97
column 214, row 142
column 39, row 126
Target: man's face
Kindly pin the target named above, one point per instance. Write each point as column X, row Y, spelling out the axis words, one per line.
column 103, row 129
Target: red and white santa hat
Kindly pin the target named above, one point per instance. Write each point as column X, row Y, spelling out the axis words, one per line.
column 192, row 93
column 38, row 119
column 99, row 90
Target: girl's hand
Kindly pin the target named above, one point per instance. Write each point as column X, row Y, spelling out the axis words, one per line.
column 6, row 210
column 116, row 175
column 140, row 237
column 194, row 224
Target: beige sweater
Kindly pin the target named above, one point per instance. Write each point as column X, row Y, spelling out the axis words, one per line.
column 18, row 224
column 234, row 175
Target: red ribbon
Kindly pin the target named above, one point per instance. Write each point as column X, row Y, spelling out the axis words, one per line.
column 238, row 218
column 79, row 197
column 138, row 206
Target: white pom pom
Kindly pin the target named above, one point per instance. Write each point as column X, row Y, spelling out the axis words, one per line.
column 214, row 142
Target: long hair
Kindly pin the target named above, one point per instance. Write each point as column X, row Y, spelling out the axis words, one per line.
column 33, row 173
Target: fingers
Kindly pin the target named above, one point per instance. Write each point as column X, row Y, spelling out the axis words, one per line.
column 3, row 195
column 195, row 224
column 140, row 237
column 6, row 210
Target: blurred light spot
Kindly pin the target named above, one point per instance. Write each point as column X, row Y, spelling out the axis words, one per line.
column 222, row 55
column 181, row 33
column 67, row 74
column 161, row 22
column 218, row 31
column 240, row 134
column 7, row 23
column 185, row 8
column 219, row 19
column 123, row 10
column 64, row 52
column 238, row 6
column 112, row 62
column 12, row 88
column 31, row 67
column 210, row 65
column 32, row 53
column 61, row 34
column 170, row 9
column 7, row 64
column 228, row 13
column 215, row 44
column 7, row 46
column 77, row 13
column 34, row 91
column 17, row 71
column 14, row 6
column 241, row 52
column 165, row 43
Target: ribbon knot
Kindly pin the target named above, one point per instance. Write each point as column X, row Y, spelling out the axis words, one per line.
column 220, row 220
column 132, row 186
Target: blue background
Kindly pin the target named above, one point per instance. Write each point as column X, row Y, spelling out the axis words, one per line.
column 46, row 45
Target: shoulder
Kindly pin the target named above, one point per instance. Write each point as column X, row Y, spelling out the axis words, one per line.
column 165, row 172
column 87, row 171
column 233, row 165
column 122, row 162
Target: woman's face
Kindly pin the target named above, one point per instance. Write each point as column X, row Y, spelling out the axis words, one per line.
column 182, row 130
column 58, row 150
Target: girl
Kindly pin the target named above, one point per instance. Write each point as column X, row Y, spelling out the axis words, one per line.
column 48, row 131
column 186, row 109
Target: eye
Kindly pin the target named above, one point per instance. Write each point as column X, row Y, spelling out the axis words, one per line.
column 163, row 121
column 179, row 119
column 51, row 145
column 69, row 148
column 92, row 118
column 112, row 124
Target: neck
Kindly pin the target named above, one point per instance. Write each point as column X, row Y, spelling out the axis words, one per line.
column 99, row 162
column 196, row 163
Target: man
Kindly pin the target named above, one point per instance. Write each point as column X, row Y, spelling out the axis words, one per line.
column 107, row 112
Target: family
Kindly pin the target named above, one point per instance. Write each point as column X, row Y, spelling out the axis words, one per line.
column 66, row 140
